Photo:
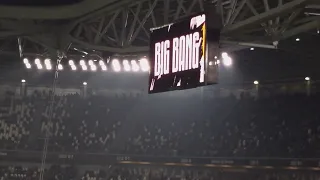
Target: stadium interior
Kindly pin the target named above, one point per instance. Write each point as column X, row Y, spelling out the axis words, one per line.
column 74, row 103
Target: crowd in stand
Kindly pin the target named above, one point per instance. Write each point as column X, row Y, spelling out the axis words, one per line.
column 33, row 173
column 77, row 124
column 85, row 125
column 277, row 126
column 183, row 173
column 16, row 120
column 148, row 173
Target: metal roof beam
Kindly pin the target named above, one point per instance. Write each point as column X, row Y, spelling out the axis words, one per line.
column 105, row 11
column 130, row 49
column 58, row 12
column 272, row 13
column 303, row 28
column 250, row 44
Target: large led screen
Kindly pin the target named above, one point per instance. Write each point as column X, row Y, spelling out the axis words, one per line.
column 178, row 55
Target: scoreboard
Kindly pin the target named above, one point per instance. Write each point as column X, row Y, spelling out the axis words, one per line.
column 179, row 56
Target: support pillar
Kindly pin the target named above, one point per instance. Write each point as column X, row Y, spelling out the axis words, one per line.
column 214, row 26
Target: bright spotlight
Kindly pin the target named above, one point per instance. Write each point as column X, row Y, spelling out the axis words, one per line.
column 84, row 83
column 84, row 67
column 144, row 64
column 23, row 81
column 126, row 65
column 298, row 39
column 47, row 61
column 90, row 62
column 210, row 63
column 93, row 67
column 73, row 67
column 255, row 82
column 71, row 62
column 226, row 59
column 37, row 61
column 28, row 66
column 307, row 78
column 252, row 49
column 101, row 63
column 116, row 65
column 218, row 61
column 125, row 62
column 135, row 66
column 60, row 67
column 39, row 66
column 82, row 63
column 48, row 66
column 26, row 61
column 104, row 68
column 224, row 55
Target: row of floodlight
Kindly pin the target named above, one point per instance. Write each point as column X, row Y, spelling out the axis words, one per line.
column 308, row 79
column 116, row 65
column 93, row 65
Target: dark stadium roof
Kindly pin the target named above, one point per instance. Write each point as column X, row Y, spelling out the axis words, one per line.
column 38, row 2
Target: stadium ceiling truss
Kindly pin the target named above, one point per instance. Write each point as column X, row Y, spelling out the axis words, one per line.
column 122, row 26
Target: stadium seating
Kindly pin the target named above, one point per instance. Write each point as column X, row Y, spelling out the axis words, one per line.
column 32, row 173
column 148, row 173
column 276, row 126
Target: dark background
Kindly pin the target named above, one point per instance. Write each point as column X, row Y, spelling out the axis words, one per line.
column 38, row 2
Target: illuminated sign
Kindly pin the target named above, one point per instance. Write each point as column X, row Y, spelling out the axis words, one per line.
column 178, row 55
column 185, row 54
